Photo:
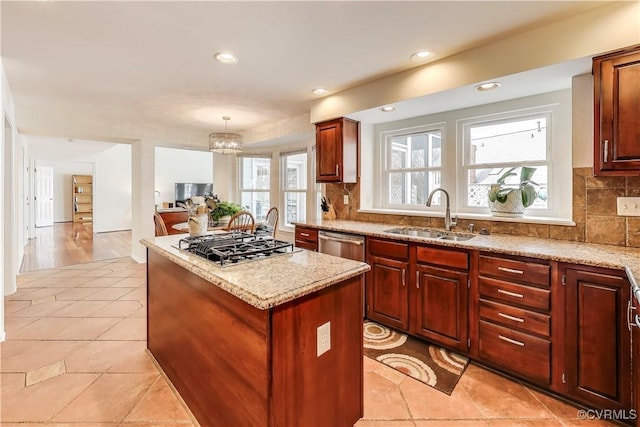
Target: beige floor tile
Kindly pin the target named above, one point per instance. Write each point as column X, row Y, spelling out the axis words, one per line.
column 370, row 365
column 425, row 402
column 101, row 282
column 108, row 399
column 383, row 399
column 56, row 282
column 131, row 329
column 498, row 397
column 43, row 309
column 452, row 423
column 391, row 374
column 11, row 384
column 135, row 361
column 44, row 373
column 87, row 328
column 99, row 356
column 524, row 423
column 141, row 312
column 21, row 294
column 67, row 272
column 41, row 293
column 43, row 328
column 109, row 294
column 13, row 306
column 587, row 423
column 42, row 401
column 12, row 324
column 24, row 356
column 76, row 293
column 384, row 423
column 94, row 272
column 80, row 309
column 139, row 294
column 159, row 404
column 131, row 282
column 557, row 407
column 118, row 309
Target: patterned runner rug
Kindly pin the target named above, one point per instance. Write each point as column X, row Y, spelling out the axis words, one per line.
column 434, row 366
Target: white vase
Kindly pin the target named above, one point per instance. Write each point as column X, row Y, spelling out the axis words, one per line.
column 512, row 207
column 198, row 225
column 224, row 220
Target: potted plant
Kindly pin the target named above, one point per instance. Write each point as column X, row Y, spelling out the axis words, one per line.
column 512, row 199
column 222, row 210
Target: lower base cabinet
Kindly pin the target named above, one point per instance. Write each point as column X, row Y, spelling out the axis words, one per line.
column 598, row 340
column 387, row 292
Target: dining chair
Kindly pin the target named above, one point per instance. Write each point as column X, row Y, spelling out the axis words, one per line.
column 271, row 221
column 161, row 228
column 242, row 221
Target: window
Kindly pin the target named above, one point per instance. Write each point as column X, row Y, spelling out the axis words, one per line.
column 255, row 176
column 493, row 147
column 412, row 167
column 294, row 186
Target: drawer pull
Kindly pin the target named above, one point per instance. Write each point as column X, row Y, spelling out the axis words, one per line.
column 509, row 340
column 304, row 234
column 418, row 279
column 511, row 294
column 515, row 319
column 510, row 270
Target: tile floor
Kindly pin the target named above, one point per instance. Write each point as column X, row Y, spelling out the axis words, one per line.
column 75, row 356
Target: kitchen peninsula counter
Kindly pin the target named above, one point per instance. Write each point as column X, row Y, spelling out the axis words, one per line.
column 616, row 257
column 271, row 342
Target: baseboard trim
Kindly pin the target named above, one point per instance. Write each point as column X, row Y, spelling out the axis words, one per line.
column 3, row 336
column 138, row 260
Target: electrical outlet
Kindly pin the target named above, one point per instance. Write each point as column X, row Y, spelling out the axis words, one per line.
column 323, row 339
column 345, row 199
column 628, row 206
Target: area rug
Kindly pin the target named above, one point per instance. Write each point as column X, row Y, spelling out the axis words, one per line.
column 430, row 364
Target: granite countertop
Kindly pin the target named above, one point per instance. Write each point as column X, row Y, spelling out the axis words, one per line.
column 264, row 283
column 616, row 257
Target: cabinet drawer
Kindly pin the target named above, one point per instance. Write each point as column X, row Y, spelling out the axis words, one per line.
column 442, row 257
column 510, row 269
column 388, row 249
column 515, row 351
column 306, row 235
column 306, row 245
column 514, row 293
column 515, row 317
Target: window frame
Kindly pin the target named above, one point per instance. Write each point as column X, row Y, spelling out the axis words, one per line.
column 463, row 127
column 385, row 156
column 242, row 190
column 283, row 185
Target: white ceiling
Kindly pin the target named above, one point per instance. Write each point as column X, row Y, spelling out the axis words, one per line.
column 151, row 62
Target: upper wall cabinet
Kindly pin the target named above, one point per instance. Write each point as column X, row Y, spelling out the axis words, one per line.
column 617, row 112
column 337, row 150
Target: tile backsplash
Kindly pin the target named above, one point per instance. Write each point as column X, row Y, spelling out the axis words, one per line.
column 594, row 212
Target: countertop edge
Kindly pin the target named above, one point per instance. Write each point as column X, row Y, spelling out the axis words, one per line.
column 248, row 297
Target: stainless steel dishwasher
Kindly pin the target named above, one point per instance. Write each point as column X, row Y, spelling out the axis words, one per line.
column 344, row 245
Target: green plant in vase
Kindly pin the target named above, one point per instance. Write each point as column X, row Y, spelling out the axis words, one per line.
column 222, row 209
column 512, row 199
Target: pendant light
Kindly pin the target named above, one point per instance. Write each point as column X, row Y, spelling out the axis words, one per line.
column 225, row 142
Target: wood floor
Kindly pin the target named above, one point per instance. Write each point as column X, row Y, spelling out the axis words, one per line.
column 67, row 243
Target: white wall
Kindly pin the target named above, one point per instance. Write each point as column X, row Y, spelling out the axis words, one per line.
column 112, row 189
column 176, row 165
column 62, row 187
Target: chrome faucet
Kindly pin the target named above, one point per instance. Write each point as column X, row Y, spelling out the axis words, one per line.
column 448, row 221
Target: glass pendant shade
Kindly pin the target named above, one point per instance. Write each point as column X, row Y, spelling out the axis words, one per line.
column 225, row 142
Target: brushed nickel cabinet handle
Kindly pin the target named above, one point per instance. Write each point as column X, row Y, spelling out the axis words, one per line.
column 630, row 319
column 403, row 277
column 515, row 319
column 304, row 234
column 606, row 150
column 510, row 270
column 337, row 169
column 511, row 294
column 509, row 340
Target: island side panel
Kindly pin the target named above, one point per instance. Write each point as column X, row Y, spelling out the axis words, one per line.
column 320, row 391
column 212, row 346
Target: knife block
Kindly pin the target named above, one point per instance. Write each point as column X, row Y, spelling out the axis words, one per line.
column 331, row 214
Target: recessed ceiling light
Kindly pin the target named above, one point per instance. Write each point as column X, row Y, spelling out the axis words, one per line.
column 488, row 86
column 388, row 109
column 225, row 57
column 420, row 55
column 320, row 91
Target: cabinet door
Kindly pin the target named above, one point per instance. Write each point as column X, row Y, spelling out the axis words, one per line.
column 387, row 292
column 440, row 312
column 617, row 107
column 329, row 151
column 598, row 365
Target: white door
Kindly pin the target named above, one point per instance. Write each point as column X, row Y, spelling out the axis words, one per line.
column 44, row 196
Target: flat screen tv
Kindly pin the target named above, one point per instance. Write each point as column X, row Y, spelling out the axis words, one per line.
column 186, row 190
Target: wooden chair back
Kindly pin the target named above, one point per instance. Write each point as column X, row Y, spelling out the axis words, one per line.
column 242, row 221
column 271, row 221
column 161, row 228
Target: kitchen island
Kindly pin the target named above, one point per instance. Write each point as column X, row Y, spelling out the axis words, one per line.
column 242, row 344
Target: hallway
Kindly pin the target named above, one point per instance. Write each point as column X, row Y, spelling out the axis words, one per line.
column 67, row 243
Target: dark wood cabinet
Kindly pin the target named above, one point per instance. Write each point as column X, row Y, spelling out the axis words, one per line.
column 514, row 316
column 440, row 310
column 337, row 150
column 306, row 238
column 387, row 287
column 616, row 112
column 598, row 345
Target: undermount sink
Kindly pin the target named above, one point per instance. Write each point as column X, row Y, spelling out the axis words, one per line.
column 430, row 234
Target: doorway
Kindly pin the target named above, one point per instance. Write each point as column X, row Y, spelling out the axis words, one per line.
column 44, row 196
